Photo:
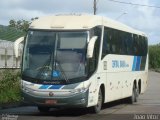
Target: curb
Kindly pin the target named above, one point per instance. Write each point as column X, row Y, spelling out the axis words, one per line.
column 155, row 70
column 11, row 105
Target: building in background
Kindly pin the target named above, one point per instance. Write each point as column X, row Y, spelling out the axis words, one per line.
column 7, row 56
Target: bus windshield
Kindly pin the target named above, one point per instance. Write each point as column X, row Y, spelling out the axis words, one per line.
column 50, row 55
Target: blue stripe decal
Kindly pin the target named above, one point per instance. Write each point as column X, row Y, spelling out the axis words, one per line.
column 55, row 87
column 44, row 86
column 138, row 63
column 134, row 63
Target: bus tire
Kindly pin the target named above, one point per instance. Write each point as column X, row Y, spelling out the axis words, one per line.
column 97, row 108
column 43, row 109
column 137, row 94
column 134, row 96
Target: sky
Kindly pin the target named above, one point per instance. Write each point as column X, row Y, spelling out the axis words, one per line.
column 145, row 19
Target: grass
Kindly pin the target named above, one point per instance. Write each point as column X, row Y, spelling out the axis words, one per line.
column 10, row 34
column 10, row 86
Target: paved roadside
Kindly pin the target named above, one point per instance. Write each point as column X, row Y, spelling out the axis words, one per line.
column 148, row 104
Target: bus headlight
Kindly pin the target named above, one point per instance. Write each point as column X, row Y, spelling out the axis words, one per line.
column 81, row 90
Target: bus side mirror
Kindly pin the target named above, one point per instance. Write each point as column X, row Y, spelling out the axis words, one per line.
column 16, row 45
column 90, row 47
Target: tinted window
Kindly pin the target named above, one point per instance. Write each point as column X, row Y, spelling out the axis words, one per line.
column 107, row 45
column 123, row 43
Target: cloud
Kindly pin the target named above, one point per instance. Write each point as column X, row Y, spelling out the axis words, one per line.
column 20, row 9
column 51, row 6
column 141, row 18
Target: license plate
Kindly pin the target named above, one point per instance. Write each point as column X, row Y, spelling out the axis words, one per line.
column 51, row 101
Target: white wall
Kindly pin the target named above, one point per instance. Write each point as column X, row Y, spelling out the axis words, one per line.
column 7, row 57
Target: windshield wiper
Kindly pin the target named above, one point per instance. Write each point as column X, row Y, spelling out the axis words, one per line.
column 42, row 70
column 62, row 71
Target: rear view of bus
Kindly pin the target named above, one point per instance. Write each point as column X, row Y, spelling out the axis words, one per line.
column 64, row 64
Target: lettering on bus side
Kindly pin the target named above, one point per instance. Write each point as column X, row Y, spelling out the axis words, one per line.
column 119, row 64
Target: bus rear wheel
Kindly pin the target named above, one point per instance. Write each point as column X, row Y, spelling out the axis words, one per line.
column 43, row 109
column 97, row 108
column 135, row 94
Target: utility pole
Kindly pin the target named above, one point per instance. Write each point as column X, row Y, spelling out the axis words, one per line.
column 95, row 7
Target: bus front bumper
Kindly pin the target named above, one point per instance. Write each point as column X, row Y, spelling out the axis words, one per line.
column 76, row 100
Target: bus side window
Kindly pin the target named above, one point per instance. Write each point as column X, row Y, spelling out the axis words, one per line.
column 123, row 43
column 106, row 48
column 135, row 44
column 129, row 44
column 146, row 45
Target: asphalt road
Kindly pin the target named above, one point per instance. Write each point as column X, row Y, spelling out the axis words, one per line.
column 147, row 108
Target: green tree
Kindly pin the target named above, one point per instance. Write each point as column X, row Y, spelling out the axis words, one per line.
column 12, row 23
column 154, row 56
column 25, row 25
column 21, row 24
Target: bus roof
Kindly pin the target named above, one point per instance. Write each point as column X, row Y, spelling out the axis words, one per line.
column 79, row 22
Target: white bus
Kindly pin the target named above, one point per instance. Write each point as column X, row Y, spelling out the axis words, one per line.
column 82, row 61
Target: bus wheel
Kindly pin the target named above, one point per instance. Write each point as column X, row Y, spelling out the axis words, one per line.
column 135, row 93
column 97, row 108
column 43, row 109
